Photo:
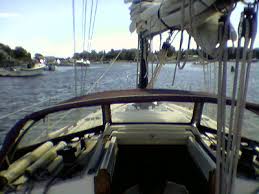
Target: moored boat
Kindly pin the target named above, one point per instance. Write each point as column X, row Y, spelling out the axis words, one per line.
column 20, row 71
column 82, row 62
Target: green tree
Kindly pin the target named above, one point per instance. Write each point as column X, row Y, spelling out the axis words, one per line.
column 22, row 55
column 3, row 56
column 6, row 49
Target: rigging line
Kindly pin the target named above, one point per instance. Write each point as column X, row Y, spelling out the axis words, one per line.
column 83, row 8
column 219, row 112
column 150, row 58
column 190, row 15
column 224, row 89
column 239, row 129
column 181, row 42
column 160, row 58
column 96, row 7
column 234, row 93
column 104, row 73
column 90, row 44
column 238, row 107
column 82, row 18
column 174, row 75
column 84, row 80
column 81, row 78
column 174, row 37
column 74, row 40
column 138, row 52
column 210, row 77
column 152, row 65
column 223, row 104
column 90, row 26
column 181, row 39
column 249, row 61
column 84, row 73
column 84, row 32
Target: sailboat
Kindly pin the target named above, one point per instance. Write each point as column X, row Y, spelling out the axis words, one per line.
column 144, row 140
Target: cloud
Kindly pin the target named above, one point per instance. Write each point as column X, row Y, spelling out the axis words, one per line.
column 8, row 15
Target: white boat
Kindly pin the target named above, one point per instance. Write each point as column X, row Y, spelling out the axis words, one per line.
column 140, row 140
column 82, row 62
column 35, row 70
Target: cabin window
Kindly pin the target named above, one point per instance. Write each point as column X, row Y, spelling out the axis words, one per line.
column 152, row 112
column 63, row 123
column 209, row 116
column 250, row 124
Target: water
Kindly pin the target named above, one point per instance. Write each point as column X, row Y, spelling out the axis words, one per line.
column 53, row 87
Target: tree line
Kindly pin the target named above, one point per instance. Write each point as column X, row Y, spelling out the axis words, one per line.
column 126, row 54
column 15, row 56
column 19, row 55
column 131, row 54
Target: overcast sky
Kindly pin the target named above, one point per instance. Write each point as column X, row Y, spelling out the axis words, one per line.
column 45, row 26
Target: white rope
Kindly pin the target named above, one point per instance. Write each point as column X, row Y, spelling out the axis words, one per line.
column 228, row 155
column 223, row 136
column 84, row 22
column 160, row 62
column 239, row 112
column 219, row 127
column 221, row 113
column 95, row 12
column 90, row 25
column 74, row 41
column 137, row 69
column 83, row 73
column 151, row 82
column 247, row 54
column 205, row 80
column 232, row 112
column 90, row 37
column 179, row 54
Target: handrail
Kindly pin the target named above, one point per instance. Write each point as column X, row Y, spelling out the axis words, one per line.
column 115, row 97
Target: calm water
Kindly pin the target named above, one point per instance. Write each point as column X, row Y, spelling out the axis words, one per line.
column 52, row 87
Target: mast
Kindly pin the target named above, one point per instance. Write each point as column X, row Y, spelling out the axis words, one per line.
column 143, row 70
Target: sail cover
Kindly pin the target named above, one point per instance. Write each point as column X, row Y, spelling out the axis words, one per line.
column 198, row 17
